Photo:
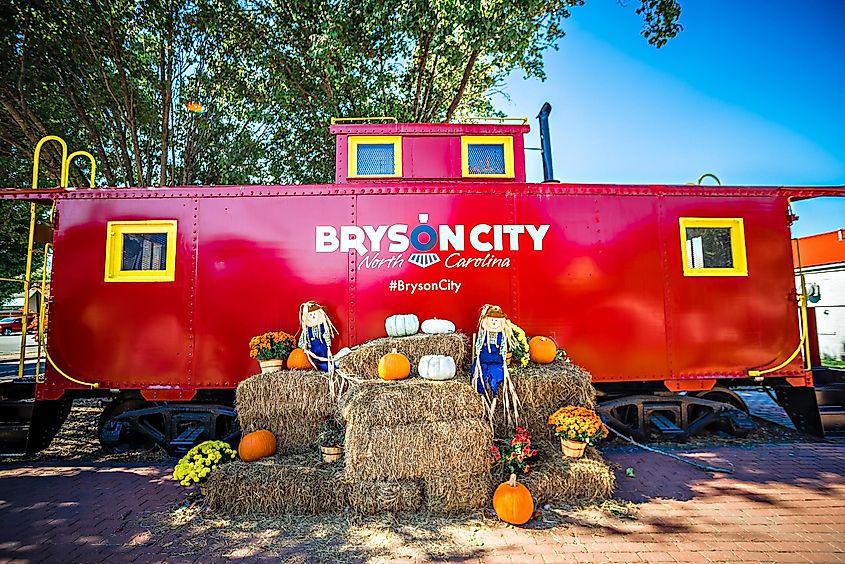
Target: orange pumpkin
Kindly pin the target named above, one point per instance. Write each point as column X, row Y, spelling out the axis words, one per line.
column 257, row 445
column 298, row 360
column 513, row 502
column 542, row 350
column 394, row 366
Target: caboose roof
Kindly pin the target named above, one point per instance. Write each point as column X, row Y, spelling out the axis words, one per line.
column 421, row 187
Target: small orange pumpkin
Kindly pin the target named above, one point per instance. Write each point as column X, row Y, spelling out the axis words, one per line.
column 257, row 445
column 513, row 502
column 542, row 350
column 394, row 366
column 298, row 360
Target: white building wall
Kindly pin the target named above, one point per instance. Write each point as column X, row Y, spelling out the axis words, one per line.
column 830, row 308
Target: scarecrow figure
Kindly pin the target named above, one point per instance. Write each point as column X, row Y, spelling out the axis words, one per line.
column 490, row 367
column 491, row 349
column 316, row 336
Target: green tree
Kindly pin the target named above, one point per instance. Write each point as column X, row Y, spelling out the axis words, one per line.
column 114, row 77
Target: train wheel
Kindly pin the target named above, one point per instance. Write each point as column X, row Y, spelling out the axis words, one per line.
column 117, row 440
column 724, row 395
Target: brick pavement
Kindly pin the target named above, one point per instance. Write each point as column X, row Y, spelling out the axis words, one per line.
column 784, row 503
column 763, row 406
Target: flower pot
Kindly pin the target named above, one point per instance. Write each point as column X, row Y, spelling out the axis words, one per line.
column 330, row 453
column 572, row 449
column 272, row 365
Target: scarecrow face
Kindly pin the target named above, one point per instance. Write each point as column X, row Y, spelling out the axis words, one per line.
column 493, row 324
column 314, row 318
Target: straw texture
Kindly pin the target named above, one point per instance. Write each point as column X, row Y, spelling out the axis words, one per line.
column 290, row 403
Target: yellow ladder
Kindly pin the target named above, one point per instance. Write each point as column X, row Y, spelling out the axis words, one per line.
column 27, row 279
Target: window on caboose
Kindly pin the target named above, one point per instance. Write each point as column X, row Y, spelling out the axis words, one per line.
column 375, row 156
column 141, row 251
column 713, row 246
column 487, row 156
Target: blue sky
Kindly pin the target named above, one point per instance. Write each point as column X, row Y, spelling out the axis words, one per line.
column 752, row 91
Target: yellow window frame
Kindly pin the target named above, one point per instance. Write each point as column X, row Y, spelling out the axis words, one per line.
column 505, row 140
column 352, row 154
column 738, row 251
column 114, row 250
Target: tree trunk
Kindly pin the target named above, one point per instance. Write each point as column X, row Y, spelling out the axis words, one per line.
column 166, row 93
column 456, row 101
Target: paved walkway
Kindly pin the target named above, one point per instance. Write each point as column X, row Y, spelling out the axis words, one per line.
column 784, row 503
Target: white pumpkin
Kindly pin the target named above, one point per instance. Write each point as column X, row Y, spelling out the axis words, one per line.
column 437, row 367
column 434, row 326
column 402, row 325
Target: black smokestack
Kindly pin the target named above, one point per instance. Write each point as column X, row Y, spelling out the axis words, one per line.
column 546, row 143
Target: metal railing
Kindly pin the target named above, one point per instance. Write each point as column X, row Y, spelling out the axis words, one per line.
column 64, row 176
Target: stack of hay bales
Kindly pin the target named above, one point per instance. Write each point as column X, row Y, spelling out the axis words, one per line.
column 430, row 434
column 572, row 480
column 289, row 403
column 410, row 445
column 362, row 362
column 542, row 390
column 295, row 484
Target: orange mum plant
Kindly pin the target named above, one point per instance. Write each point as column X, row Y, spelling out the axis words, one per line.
column 269, row 346
column 578, row 424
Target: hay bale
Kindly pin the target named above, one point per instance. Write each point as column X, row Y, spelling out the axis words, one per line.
column 370, row 497
column 542, row 390
column 448, row 492
column 278, row 487
column 289, row 403
column 407, row 402
column 411, row 452
column 362, row 362
column 570, row 480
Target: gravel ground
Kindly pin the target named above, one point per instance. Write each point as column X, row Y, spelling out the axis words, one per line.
column 77, row 440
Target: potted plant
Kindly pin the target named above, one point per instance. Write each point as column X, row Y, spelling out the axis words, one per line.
column 513, row 455
column 271, row 349
column 577, row 427
column 331, row 439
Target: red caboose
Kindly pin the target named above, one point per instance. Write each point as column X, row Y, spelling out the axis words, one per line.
column 157, row 291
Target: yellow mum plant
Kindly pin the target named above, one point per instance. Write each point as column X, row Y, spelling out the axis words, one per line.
column 578, row 424
column 269, row 346
column 198, row 463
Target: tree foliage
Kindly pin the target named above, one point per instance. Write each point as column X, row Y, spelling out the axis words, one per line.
column 114, row 76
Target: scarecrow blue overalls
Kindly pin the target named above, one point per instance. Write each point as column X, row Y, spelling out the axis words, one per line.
column 317, row 345
column 491, row 362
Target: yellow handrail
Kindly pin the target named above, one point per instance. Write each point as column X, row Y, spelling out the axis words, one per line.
column 66, row 166
column 801, row 343
column 709, row 175
column 522, row 120
column 42, row 311
column 804, row 342
column 37, row 157
column 27, row 280
column 335, row 120
column 59, row 370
